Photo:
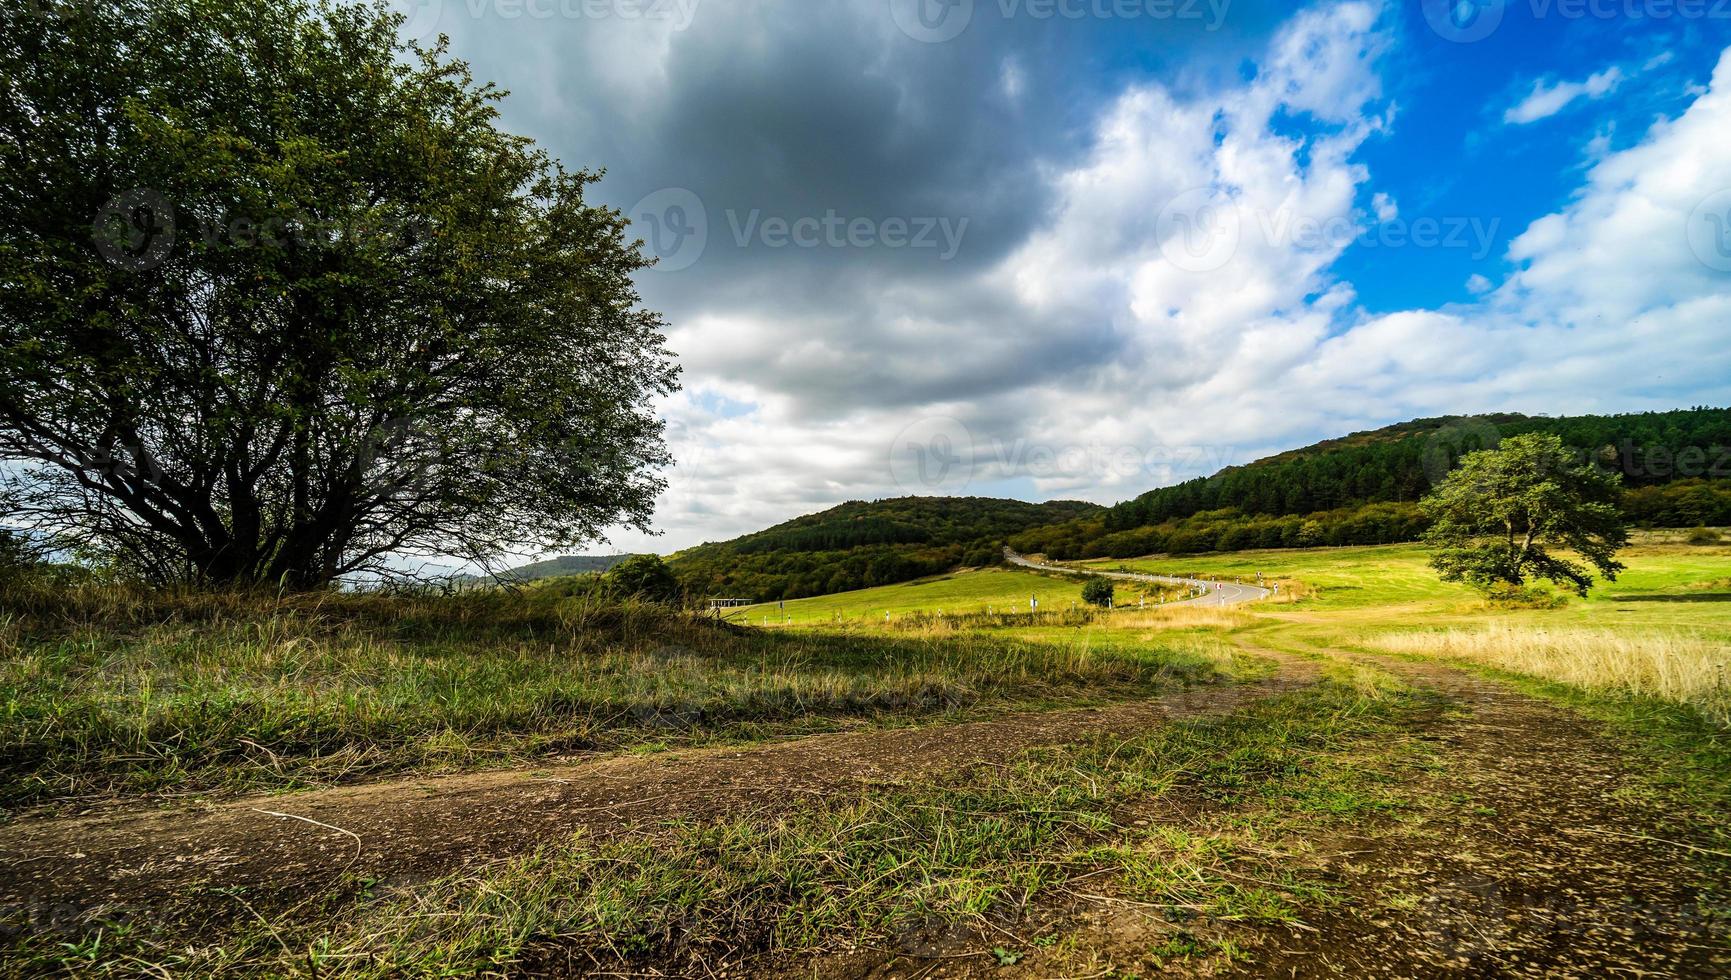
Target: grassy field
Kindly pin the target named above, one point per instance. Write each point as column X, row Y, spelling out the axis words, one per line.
column 1217, row 827
column 999, row 591
column 204, row 694
column 1662, row 629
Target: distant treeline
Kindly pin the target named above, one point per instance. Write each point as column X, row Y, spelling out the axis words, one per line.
column 863, row 544
column 1357, row 490
column 1227, row 529
column 1398, row 464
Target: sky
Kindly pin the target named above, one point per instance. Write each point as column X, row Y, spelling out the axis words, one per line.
column 1078, row 249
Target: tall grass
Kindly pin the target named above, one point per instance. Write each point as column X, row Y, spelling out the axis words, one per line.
column 1673, row 666
column 110, row 691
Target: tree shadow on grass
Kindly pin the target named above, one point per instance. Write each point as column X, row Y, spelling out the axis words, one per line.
column 1691, row 597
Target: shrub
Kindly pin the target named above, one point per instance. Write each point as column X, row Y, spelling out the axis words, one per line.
column 1704, row 535
column 644, row 576
column 1510, row 596
column 1098, row 592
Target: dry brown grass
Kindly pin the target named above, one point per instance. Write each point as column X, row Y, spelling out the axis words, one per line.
column 1673, row 666
column 1183, row 617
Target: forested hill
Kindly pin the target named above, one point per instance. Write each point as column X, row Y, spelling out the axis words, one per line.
column 861, row 544
column 551, row 568
column 1359, row 489
column 1363, row 488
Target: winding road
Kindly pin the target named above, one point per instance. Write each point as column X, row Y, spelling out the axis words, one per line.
column 1219, row 593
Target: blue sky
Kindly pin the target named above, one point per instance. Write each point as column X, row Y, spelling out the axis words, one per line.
column 1453, row 155
column 1080, row 248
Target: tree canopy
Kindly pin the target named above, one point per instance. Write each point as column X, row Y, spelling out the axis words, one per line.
column 645, row 577
column 280, row 299
column 1506, row 514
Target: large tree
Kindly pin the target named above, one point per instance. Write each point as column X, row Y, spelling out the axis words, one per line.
column 1515, row 512
column 279, row 300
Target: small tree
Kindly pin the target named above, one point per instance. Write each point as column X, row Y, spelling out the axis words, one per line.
column 644, row 576
column 1097, row 592
column 1499, row 518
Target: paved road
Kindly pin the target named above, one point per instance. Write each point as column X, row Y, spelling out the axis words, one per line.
column 1219, row 593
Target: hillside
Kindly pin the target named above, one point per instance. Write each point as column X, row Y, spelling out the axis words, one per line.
column 1364, row 488
column 861, row 544
column 552, row 568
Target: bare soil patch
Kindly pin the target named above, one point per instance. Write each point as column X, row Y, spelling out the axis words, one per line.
column 1541, row 860
column 1534, row 852
column 279, row 849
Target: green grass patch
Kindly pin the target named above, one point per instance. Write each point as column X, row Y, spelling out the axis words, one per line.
column 210, row 696
column 989, row 844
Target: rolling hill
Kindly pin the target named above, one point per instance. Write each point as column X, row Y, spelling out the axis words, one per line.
column 1364, row 488
column 864, row 543
column 1358, row 489
column 551, row 568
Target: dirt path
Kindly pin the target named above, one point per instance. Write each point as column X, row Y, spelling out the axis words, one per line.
column 1531, row 857
column 1531, row 852
column 1542, row 862
column 284, row 847
column 1217, row 594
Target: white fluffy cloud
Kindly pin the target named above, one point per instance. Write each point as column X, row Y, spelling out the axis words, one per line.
column 1177, row 309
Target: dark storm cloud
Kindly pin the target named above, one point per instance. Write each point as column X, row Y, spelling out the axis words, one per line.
column 770, row 113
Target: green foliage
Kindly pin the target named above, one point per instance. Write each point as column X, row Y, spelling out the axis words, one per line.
column 16, row 555
column 1704, row 536
column 644, row 577
column 564, row 566
column 1394, row 464
column 1098, row 592
column 1686, row 503
column 1502, row 516
column 1228, row 530
column 1508, row 596
column 329, row 310
column 864, row 544
column 1364, row 488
